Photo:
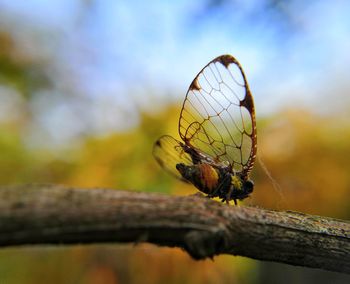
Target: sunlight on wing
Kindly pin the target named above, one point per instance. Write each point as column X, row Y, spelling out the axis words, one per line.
column 168, row 152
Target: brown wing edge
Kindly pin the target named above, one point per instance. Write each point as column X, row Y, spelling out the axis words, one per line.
column 247, row 102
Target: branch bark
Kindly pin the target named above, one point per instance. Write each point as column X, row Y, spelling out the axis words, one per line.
column 47, row 214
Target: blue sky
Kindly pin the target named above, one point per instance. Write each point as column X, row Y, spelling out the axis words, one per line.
column 115, row 53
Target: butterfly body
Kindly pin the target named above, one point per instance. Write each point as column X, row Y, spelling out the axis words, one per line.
column 218, row 131
column 216, row 182
column 203, row 176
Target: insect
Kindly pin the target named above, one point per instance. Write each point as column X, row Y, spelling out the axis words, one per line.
column 218, row 131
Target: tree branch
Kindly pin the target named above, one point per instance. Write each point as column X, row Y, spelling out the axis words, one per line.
column 46, row 214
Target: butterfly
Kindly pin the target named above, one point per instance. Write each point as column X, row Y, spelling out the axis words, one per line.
column 218, row 131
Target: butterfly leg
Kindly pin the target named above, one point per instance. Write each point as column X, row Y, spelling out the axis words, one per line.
column 228, row 196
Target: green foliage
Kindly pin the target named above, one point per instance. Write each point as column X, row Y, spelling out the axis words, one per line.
column 20, row 71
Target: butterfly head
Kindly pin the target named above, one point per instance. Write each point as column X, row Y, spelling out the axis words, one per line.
column 241, row 188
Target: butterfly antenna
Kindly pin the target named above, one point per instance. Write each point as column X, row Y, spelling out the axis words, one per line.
column 275, row 184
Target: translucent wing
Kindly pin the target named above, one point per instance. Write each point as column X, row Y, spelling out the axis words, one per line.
column 169, row 152
column 218, row 118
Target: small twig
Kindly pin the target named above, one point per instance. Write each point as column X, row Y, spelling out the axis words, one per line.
column 42, row 214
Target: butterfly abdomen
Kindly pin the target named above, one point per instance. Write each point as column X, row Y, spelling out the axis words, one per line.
column 203, row 176
column 209, row 177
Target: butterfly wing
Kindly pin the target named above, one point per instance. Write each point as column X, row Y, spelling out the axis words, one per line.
column 169, row 152
column 218, row 117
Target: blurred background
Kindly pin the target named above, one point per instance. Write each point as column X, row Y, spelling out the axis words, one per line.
column 87, row 86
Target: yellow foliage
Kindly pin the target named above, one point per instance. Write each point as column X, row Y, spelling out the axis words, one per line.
column 307, row 155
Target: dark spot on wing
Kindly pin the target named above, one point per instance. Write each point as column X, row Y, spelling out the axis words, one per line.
column 247, row 102
column 194, row 85
column 226, row 60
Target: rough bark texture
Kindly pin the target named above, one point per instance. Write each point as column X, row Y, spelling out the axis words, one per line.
column 44, row 214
